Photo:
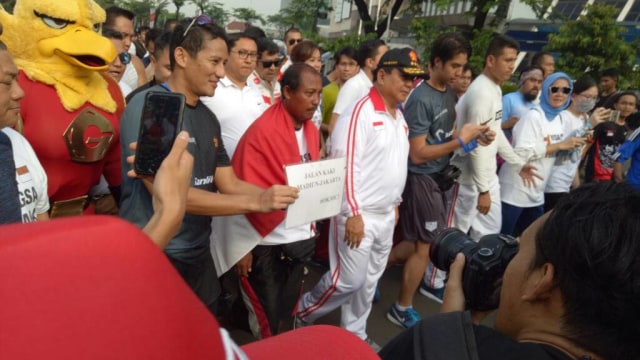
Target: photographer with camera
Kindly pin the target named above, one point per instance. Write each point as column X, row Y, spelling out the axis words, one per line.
column 571, row 291
column 430, row 115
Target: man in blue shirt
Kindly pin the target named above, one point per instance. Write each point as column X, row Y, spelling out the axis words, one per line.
column 630, row 149
column 517, row 103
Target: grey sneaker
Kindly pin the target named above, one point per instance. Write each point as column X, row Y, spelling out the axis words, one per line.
column 373, row 344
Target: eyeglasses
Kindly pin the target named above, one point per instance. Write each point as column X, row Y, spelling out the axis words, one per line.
column 199, row 20
column 125, row 58
column 555, row 89
column 294, row 41
column 269, row 63
column 244, row 54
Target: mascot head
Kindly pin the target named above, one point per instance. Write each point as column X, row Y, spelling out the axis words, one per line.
column 59, row 43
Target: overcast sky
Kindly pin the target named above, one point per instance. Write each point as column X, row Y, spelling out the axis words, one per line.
column 263, row 7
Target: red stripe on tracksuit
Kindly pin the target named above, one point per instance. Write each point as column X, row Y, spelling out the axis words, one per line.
column 334, row 277
column 263, row 321
column 454, row 198
column 351, row 144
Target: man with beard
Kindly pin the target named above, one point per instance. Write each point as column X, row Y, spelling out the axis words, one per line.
column 515, row 104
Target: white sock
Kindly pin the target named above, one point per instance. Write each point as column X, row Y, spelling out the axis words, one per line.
column 402, row 308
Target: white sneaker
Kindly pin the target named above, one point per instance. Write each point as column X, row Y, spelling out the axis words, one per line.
column 373, row 344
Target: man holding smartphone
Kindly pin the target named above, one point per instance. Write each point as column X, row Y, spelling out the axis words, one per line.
column 198, row 53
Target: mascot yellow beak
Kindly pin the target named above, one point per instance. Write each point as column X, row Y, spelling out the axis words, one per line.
column 80, row 47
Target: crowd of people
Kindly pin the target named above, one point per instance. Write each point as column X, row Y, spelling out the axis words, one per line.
column 427, row 147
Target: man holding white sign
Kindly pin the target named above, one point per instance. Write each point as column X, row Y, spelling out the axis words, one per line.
column 372, row 134
column 271, row 271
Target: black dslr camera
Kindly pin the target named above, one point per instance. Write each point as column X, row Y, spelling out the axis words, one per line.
column 485, row 264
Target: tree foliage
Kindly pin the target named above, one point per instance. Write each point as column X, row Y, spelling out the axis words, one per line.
column 247, row 15
column 378, row 26
column 178, row 4
column 140, row 8
column 592, row 43
column 213, row 9
column 303, row 14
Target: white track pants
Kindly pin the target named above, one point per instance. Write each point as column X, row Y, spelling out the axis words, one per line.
column 354, row 274
column 465, row 212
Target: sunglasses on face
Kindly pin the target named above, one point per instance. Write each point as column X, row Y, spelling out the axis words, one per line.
column 200, row 20
column 294, row 41
column 555, row 89
column 269, row 63
column 125, row 58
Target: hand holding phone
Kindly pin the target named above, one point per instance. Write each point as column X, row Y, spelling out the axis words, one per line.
column 160, row 123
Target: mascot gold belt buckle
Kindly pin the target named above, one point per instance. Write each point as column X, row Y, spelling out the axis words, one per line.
column 89, row 136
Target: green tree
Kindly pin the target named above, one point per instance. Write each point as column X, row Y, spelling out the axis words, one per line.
column 592, row 43
column 178, row 4
column 247, row 15
column 302, row 13
column 213, row 9
column 8, row 4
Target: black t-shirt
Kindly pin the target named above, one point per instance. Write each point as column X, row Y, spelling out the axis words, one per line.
column 453, row 336
column 607, row 137
column 495, row 345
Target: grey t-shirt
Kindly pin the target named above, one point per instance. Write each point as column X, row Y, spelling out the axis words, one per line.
column 192, row 240
column 430, row 112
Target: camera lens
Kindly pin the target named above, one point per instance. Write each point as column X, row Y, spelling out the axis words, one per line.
column 447, row 245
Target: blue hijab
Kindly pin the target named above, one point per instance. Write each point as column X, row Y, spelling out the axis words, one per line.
column 549, row 111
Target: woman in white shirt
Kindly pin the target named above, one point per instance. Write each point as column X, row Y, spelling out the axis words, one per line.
column 537, row 137
column 576, row 122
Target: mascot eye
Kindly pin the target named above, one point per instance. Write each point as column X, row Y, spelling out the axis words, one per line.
column 55, row 23
column 97, row 28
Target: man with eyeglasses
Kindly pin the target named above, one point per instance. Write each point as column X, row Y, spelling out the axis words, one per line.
column 264, row 78
column 236, row 104
column 372, row 134
column 198, row 54
column 292, row 37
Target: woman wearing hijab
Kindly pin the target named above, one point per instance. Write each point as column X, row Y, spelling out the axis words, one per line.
column 576, row 122
column 537, row 137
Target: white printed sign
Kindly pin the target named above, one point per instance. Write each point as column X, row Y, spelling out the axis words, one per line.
column 321, row 185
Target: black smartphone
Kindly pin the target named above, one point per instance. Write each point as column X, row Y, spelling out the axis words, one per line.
column 160, row 123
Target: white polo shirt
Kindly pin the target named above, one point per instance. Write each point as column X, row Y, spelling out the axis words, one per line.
column 353, row 90
column 377, row 148
column 236, row 109
column 30, row 176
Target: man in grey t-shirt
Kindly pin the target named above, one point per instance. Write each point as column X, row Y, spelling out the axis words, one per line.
column 430, row 114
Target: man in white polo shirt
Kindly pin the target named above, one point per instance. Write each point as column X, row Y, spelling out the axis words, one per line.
column 358, row 86
column 236, row 104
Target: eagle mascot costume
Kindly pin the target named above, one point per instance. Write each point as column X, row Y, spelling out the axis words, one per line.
column 71, row 111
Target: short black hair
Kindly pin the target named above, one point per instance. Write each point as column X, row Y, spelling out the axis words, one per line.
column 447, row 46
column 255, row 32
column 619, row 96
column 194, row 40
column 368, row 50
column 169, row 23
column 232, row 39
column 591, row 239
column 161, row 43
column 583, row 84
column 386, row 69
column 611, row 72
column 114, row 12
column 467, row 67
column 348, row 51
column 499, row 43
column 151, row 36
column 111, row 33
column 292, row 76
column 290, row 30
column 529, row 68
column 266, row 44
column 536, row 59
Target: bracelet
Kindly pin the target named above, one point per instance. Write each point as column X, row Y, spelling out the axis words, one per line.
column 468, row 147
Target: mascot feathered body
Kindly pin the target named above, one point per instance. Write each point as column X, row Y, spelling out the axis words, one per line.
column 70, row 111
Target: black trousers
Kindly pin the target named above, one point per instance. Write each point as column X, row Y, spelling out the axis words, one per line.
column 202, row 278
column 274, row 285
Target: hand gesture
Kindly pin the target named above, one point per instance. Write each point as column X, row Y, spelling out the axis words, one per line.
column 472, row 131
column 277, row 197
column 572, row 143
column 243, row 266
column 599, row 115
column 484, row 203
column 354, row 231
column 528, row 174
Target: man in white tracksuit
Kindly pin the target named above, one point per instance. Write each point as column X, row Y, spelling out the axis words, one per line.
column 372, row 134
column 476, row 197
